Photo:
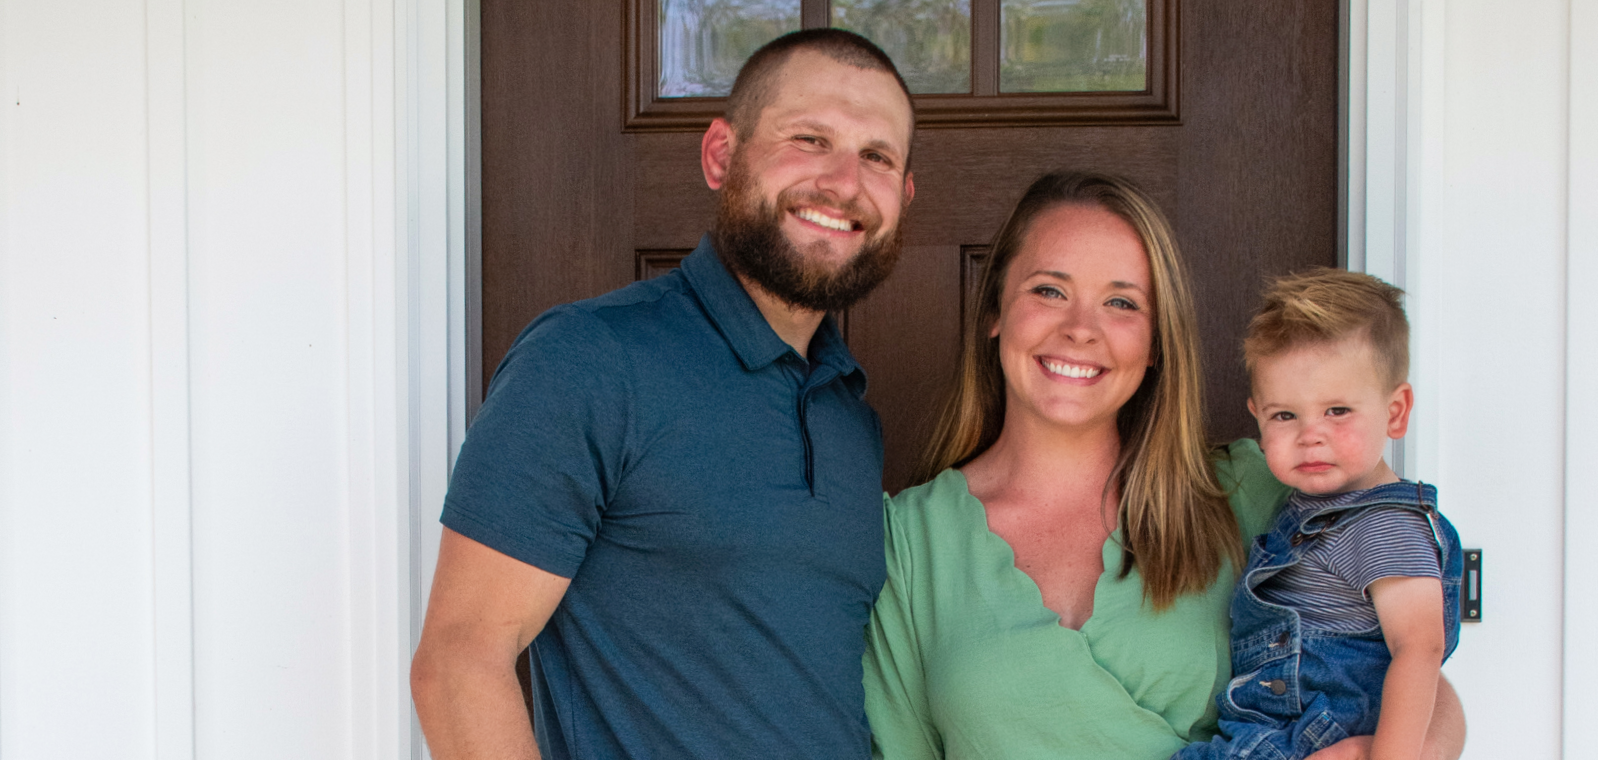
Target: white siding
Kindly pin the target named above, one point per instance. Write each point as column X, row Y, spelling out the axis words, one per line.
column 1495, row 273
column 75, row 606
column 227, row 352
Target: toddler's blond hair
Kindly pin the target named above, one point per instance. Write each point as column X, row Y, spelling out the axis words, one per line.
column 1325, row 306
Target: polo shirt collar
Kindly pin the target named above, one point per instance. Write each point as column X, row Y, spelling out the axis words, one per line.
column 740, row 322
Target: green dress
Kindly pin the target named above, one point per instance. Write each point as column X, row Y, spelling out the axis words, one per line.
column 963, row 661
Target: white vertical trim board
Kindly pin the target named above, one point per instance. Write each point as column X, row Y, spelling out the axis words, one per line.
column 1581, row 380
column 430, row 192
column 377, row 451
column 171, row 516
column 407, row 348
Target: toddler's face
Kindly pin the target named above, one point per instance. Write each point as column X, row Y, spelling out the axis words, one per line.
column 1325, row 416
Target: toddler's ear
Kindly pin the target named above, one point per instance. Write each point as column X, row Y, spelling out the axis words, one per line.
column 1399, row 405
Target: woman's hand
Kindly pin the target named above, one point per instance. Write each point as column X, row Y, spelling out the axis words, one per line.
column 1352, row 748
column 1445, row 737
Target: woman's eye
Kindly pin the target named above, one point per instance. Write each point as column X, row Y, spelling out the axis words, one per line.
column 1119, row 302
column 1048, row 291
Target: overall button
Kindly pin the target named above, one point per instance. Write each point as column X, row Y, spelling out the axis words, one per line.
column 1298, row 538
column 1276, row 685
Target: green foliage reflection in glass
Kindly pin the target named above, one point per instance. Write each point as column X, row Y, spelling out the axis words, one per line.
column 704, row 42
column 929, row 40
column 1073, row 45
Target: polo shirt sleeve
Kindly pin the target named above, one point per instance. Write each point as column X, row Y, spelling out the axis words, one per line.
column 545, row 453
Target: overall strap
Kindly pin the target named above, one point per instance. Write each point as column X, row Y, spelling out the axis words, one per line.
column 1431, row 515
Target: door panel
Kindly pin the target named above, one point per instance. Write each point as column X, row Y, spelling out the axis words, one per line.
column 572, row 204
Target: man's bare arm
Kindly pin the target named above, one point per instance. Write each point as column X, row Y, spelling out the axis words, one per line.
column 484, row 610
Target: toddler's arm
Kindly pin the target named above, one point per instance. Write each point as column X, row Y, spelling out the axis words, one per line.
column 1411, row 614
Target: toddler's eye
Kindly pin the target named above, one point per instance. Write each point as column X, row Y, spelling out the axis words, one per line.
column 1338, row 411
column 1283, row 417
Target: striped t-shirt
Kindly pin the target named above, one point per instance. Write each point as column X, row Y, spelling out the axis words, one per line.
column 1328, row 587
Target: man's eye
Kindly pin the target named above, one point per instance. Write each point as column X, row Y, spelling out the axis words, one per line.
column 807, row 139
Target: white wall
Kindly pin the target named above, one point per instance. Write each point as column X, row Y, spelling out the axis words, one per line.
column 1474, row 155
column 231, row 232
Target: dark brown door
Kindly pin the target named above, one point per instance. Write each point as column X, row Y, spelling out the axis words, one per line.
column 1244, row 162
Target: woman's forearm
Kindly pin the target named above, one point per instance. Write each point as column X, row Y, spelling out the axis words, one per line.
column 1445, row 736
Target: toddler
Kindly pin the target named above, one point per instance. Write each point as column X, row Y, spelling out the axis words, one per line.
column 1350, row 604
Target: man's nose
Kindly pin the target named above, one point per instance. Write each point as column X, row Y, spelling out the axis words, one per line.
column 840, row 176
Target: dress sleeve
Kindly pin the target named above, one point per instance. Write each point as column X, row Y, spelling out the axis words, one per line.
column 545, row 452
column 1256, row 495
column 895, row 684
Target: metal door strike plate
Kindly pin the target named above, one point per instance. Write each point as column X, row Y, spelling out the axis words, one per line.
column 1470, row 588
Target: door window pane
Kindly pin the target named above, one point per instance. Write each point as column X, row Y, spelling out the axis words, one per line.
column 704, row 42
column 1073, row 45
column 929, row 40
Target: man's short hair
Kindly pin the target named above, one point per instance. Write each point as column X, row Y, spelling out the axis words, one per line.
column 1327, row 305
column 752, row 90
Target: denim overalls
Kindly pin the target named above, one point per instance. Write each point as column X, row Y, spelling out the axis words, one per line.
column 1296, row 690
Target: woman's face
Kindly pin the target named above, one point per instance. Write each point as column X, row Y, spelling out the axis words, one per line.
column 1075, row 320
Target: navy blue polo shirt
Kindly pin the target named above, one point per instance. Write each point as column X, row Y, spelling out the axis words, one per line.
column 716, row 500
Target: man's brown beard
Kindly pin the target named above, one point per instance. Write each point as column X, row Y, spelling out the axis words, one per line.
column 748, row 235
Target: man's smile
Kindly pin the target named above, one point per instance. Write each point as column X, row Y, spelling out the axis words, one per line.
column 826, row 220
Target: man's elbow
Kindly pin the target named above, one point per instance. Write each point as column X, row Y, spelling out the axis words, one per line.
column 428, row 674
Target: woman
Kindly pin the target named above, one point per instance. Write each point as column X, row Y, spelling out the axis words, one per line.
column 1058, row 585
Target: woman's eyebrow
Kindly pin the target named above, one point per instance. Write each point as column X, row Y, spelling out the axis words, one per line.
column 1052, row 273
column 1117, row 284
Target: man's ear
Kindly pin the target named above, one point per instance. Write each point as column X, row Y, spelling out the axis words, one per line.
column 1399, row 405
column 715, row 152
column 909, row 187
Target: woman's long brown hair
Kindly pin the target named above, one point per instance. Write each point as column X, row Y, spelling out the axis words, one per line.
column 1177, row 527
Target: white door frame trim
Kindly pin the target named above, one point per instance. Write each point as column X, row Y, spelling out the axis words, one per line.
column 1392, row 134
column 419, row 351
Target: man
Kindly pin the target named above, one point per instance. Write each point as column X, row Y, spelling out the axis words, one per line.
column 673, row 490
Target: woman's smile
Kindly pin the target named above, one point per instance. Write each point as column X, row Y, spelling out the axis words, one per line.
column 1071, row 370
